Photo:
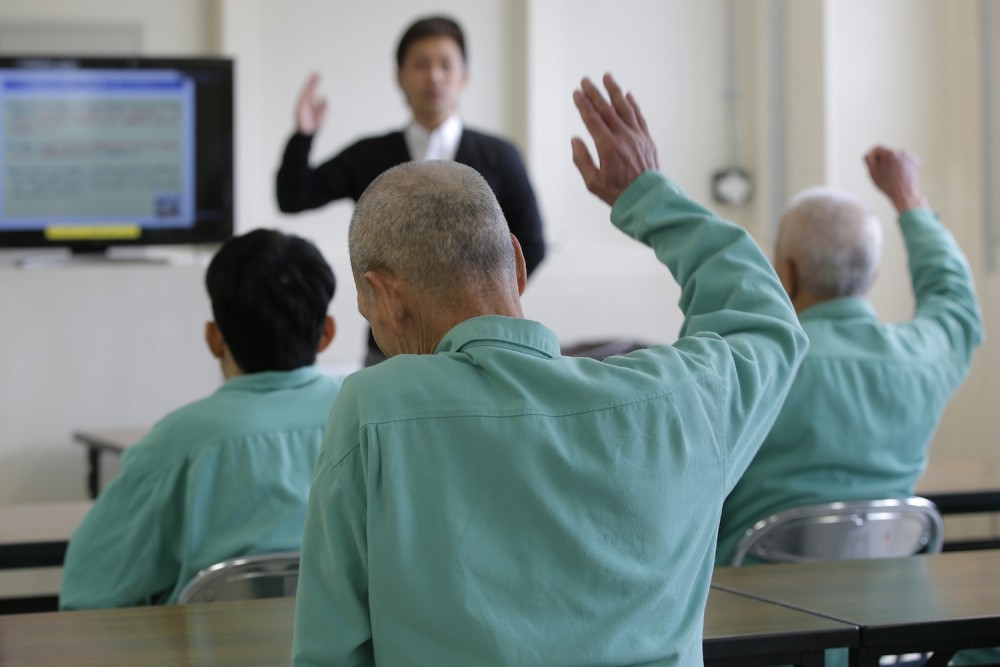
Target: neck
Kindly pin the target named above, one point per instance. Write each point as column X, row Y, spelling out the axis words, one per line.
column 431, row 123
column 230, row 368
column 432, row 323
column 806, row 300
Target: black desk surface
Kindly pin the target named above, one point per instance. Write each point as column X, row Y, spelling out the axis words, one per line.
column 739, row 627
column 915, row 602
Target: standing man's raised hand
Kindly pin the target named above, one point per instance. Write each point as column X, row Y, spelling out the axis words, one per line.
column 310, row 109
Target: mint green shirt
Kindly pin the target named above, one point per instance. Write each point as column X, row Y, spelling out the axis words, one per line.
column 495, row 503
column 225, row 476
column 861, row 414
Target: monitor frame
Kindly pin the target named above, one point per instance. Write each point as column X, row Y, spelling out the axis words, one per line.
column 214, row 161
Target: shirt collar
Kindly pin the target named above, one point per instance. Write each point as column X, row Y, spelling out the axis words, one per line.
column 840, row 309
column 272, row 380
column 442, row 141
column 498, row 331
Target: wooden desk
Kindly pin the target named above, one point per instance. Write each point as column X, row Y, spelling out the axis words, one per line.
column 105, row 441
column 738, row 631
column 221, row 634
column 36, row 535
column 933, row 603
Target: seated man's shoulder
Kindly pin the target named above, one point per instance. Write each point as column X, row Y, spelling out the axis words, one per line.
column 228, row 415
column 176, row 435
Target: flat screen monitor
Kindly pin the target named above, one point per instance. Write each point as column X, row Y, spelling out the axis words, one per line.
column 101, row 152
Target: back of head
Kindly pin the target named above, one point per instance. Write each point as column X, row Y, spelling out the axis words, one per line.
column 833, row 240
column 270, row 293
column 431, row 26
column 438, row 226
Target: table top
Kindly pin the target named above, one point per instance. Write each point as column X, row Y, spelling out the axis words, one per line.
column 741, row 626
column 113, row 439
column 221, row 634
column 930, row 596
column 259, row 632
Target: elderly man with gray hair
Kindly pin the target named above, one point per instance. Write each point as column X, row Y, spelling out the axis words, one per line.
column 860, row 417
column 481, row 499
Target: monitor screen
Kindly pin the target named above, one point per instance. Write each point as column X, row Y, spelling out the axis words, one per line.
column 97, row 152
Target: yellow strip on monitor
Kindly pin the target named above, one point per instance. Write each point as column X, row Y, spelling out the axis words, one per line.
column 93, row 232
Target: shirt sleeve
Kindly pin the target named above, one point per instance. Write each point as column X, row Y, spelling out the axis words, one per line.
column 301, row 187
column 124, row 552
column 332, row 623
column 738, row 319
column 948, row 321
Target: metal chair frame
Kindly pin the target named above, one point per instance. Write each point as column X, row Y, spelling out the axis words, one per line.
column 855, row 529
column 245, row 578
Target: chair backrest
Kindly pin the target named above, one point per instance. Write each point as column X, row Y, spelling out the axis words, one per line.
column 844, row 531
column 602, row 349
column 271, row 575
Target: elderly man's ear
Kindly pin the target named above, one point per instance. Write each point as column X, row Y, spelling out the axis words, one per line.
column 788, row 274
column 389, row 305
column 521, row 267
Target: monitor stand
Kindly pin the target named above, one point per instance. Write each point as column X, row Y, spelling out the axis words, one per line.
column 91, row 256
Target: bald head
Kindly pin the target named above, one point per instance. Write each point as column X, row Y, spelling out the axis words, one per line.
column 437, row 226
column 833, row 242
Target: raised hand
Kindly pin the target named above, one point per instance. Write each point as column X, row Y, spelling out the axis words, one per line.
column 897, row 174
column 310, row 109
column 621, row 138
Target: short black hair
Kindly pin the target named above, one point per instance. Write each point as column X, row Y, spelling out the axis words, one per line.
column 431, row 26
column 270, row 293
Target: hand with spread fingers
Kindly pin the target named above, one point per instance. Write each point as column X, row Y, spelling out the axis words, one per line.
column 621, row 138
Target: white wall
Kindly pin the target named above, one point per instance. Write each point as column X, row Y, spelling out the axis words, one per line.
column 175, row 27
column 597, row 282
column 92, row 346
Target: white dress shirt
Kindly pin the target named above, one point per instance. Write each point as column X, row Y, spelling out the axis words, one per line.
column 441, row 143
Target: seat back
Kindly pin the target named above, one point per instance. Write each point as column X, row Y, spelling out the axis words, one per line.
column 602, row 349
column 844, row 531
column 272, row 575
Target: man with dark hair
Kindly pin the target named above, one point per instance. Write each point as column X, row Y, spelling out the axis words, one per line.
column 431, row 72
column 228, row 475
column 481, row 499
column 859, row 420
column 433, row 26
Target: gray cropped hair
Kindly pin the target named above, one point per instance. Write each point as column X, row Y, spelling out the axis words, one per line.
column 835, row 242
column 436, row 225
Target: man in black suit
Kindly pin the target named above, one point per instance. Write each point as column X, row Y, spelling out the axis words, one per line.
column 431, row 72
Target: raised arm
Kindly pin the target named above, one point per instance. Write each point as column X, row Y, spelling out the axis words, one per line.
column 948, row 317
column 738, row 321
